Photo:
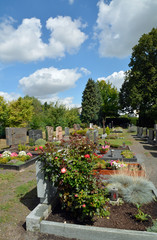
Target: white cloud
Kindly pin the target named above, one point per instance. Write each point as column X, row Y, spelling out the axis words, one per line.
column 49, row 81
column 24, row 43
column 121, row 23
column 85, row 71
column 71, row 2
column 9, row 96
column 116, row 78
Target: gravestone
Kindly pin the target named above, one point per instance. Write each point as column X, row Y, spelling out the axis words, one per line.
column 49, row 133
column 144, row 135
column 96, row 135
column 91, row 125
column 155, row 126
column 59, row 134
column 138, row 129
column 66, row 131
column 35, row 134
column 15, row 136
column 92, row 135
column 75, row 127
column 110, row 125
column 151, row 134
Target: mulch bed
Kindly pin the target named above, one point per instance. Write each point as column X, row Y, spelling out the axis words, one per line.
column 121, row 217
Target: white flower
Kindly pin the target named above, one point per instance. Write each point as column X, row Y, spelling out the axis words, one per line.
column 22, row 153
column 6, row 154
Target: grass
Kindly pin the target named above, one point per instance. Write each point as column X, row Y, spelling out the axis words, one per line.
column 21, row 190
column 7, row 176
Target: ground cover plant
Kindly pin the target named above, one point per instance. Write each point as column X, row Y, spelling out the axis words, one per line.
column 8, row 157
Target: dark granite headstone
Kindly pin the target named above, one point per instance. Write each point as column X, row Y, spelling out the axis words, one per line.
column 15, row 136
column 35, row 134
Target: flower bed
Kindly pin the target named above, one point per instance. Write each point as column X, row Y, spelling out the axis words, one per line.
column 17, row 161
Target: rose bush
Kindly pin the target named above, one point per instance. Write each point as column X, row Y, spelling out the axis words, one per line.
column 71, row 171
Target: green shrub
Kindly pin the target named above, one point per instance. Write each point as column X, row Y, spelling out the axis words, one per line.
column 21, row 147
column 81, row 132
column 40, row 142
column 71, row 171
column 107, row 130
column 31, row 142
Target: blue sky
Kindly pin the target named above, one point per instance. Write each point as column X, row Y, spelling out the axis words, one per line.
column 50, row 48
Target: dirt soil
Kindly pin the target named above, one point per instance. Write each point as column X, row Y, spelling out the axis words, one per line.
column 15, row 206
column 121, row 217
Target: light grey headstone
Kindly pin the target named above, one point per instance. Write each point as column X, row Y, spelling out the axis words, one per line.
column 66, row 131
column 49, row 133
column 15, row 136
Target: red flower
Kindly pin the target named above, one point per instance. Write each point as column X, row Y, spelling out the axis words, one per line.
column 84, row 205
column 87, row 156
column 36, row 149
column 76, row 195
column 63, row 170
column 56, row 157
column 41, row 148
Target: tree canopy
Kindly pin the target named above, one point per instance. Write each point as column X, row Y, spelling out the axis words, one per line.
column 139, row 90
column 90, row 102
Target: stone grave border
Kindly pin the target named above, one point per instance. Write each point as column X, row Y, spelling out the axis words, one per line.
column 20, row 167
column 35, row 221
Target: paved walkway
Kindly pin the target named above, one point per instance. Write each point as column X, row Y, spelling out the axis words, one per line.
column 146, row 155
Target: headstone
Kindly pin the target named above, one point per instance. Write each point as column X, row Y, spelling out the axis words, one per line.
column 35, row 134
column 15, row 136
column 144, row 132
column 91, row 125
column 151, row 134
column 59, row 134
column 45, row 189
column 156, row 136
column 138, row 129
column 66, row 131
column 49, row 133
column 96, row 134
column 78, row 126
column 155, row 126
column 75, row 127
column 110, row 125
column 103, row 136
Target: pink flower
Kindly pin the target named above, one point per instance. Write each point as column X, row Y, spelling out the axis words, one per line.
column 76, row 195
column 63, row 170
column 14, row 154
column 87, row 156
column 0, row 155
column 41, row 148
column 36, row 149
column 56, row 157
column 84, row 205
column 29, row 154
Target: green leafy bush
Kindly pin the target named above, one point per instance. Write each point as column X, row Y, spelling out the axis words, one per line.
column 107, row 130
column 71, row 171
column 21, row 147
column 40, row 142
column 81, row 132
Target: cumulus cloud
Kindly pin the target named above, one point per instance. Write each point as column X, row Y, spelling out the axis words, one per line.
column 9, row 96
column 121, row 23
column 24, row 43
column 116, row 78
column 71, row 2
column 85, row 71
column 49, row 81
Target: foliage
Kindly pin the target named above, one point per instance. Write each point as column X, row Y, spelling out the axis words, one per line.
column 71, row 170
column 20, row 112
column 3, row 116
column 141, row 216
column 80, row 132
column 127, row 154
column 154, row 227
column 91, row 102
column 110, row 100
column 7, row 156
column 40, row 142
column 139, row 90
column 107, row 130
column 21, row 147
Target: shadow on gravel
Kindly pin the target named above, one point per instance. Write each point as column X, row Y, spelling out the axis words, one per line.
column 150, row 147
column 154, row 154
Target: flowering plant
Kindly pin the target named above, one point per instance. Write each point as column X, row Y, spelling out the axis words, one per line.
column 71, row 171
column 104, row 148
column 115, row 164
column 7, row 156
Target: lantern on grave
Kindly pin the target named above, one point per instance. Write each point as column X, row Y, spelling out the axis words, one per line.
column 114, row 194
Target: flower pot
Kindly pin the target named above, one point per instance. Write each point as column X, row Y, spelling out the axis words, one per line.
column 103, row 151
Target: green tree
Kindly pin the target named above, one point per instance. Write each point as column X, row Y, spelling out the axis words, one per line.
column 141, row 81
column 110, row 101
column 90, row 102
column 20, row 112
column 3, row 116
column 72, row 117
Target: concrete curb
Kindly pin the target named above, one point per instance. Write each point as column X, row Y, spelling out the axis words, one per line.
column 35, row 222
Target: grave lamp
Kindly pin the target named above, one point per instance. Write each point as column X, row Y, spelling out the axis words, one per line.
column 112, row 152
column 114, row 194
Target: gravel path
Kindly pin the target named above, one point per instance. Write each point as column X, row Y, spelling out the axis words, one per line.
column 147, row 156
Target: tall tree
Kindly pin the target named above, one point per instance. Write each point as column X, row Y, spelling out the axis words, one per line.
column 90, row 102
column 20, row 112
column 141, row 81
column 110, row 101
column 3, row 116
